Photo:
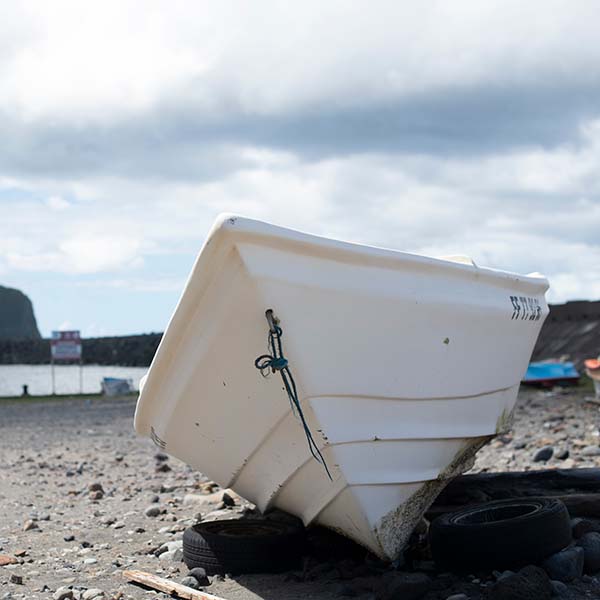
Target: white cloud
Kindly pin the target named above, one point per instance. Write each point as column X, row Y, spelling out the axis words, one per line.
column 135, row 124
column 94, row 61
column 490, row 207
column 57, row 203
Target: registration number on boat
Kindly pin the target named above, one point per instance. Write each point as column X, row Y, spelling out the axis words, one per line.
column 526, row 308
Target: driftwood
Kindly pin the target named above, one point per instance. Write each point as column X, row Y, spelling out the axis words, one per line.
column 579, row 489
column 166, row 586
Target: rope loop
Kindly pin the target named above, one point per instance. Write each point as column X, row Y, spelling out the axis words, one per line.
column 276, row 362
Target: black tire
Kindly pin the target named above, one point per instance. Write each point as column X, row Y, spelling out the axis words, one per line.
column 499, row 535
column 243, row 546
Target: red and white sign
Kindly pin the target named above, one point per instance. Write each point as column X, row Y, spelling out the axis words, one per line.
column 65, row 345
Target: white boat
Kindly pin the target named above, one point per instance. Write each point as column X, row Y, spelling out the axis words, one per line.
column 404, row 365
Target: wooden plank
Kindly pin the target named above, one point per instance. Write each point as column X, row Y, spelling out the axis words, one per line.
column 166, row 586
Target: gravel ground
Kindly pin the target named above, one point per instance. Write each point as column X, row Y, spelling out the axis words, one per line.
column 77, row 489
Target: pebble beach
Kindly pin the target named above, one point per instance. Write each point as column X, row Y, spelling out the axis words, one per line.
column 83, row 499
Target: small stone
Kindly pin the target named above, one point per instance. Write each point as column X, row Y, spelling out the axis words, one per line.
column 408, row 586
column 69, row 538
column 590, row 542
column 162, row 468
column 29, row 525
column 160, row 457
column 591, row 451
column 154, row 498
column 227, row 500
column 172, row 555
column 519, row 444
column 6, row 559
column 63, row 593
column 108, row 520
column 191, row 582
column 200, row 575
column 565, row 565
column 458, row 597
column 528, row 584
column 92, row 593
column 559, row 589
column 152, row 511
column 17, row 579
column 346, row 591
column 118, row 525
column 579, row 527
column 90, row 561
column 543, row 454
column 562, row 454
column 95, row 487
column 96, row 495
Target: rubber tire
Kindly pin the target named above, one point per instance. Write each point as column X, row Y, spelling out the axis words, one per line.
column 243, row 546
column 500, row 535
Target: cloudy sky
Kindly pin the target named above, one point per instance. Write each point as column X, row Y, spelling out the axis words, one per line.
column 433, row 127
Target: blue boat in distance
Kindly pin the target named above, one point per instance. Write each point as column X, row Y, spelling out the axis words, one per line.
column 551, row 372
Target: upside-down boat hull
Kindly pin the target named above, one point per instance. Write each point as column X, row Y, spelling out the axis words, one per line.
column 405, row 366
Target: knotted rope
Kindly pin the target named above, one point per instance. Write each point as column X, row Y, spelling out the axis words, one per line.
column 276, row 361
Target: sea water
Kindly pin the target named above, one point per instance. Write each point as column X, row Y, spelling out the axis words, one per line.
column 39, row 378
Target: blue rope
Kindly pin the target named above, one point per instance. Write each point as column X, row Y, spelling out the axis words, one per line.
column 277, row 362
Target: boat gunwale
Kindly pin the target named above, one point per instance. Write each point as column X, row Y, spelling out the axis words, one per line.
column 229, row 230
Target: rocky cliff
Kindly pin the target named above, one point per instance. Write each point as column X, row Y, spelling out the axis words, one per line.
column 17, row 320
column 572, row 331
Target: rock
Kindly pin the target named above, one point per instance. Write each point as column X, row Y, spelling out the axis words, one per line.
column 17, row 579
column 29, row 525
column 559, row 589
column 154, row 498
column 562, row 454
column 201, row 500
column 591, row 451
column 228, row 500
column 565, row 565
column 162, row 468
column 69, row 538
column 458, row 597
column 346, row 591
column 63, row 593
column 92, row 593
column 95, row 487
column 6, row 559
column 152, row 511
column 530, row 583
column 97, row 495
column 191, row 582
column 172, row 555
column 581, row 526
column 519, row 444
column 590, row 542
column 174, row 545
column 543, row 454
column 200, row 574
column 90, row 561
column 408, row 586
column 108, row 520
column 160, row 457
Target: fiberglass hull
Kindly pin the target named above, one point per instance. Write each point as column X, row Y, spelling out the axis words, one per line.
column 405, row 366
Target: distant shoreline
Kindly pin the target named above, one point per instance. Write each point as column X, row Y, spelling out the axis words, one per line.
column 125, row 351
